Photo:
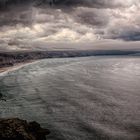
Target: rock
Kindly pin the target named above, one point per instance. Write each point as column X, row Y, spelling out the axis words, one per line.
column 2, row 97
column 16, row 129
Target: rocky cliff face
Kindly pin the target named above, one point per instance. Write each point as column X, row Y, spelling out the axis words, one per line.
column 16, row 129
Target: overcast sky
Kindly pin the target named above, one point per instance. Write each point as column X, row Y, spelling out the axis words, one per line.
column 39, row 24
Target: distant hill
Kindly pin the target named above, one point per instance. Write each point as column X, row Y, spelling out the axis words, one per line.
column 11, row 58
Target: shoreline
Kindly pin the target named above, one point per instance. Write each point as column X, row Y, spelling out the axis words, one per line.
column 15, row 66
column 11, row 60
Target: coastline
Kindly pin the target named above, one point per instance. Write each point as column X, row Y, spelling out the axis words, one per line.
column 15, row 66
column 12, row 60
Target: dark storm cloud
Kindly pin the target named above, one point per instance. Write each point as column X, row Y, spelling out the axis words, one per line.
column 18, row 15
column 26, row 23
column 91, row 16
column 89, row 3
column 128, row 35
column 18, row 10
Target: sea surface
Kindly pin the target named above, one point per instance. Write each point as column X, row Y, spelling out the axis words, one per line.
column 91, row 98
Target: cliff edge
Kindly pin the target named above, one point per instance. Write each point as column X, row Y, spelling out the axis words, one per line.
column 16, row 129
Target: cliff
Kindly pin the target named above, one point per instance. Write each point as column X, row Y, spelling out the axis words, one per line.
column 16, row 129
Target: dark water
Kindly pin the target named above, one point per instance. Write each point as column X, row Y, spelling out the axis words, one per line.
column 95, row 98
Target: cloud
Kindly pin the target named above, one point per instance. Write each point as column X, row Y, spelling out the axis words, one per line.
column 74, row 3
column 91, row 16
column 95, row 3
column 28, row 23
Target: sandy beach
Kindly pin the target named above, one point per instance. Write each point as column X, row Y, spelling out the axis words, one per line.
column 16, row 66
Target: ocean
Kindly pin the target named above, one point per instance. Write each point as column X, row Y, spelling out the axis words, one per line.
column 89, row 98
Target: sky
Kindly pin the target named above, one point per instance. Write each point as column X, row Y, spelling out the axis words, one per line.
column 69, row 24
